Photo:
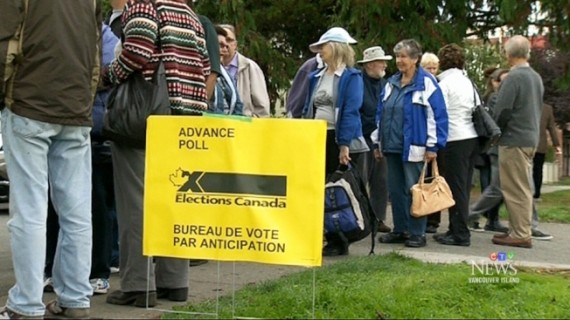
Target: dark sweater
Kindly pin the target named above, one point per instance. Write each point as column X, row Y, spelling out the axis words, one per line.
column 372, row 89
column 519, row 107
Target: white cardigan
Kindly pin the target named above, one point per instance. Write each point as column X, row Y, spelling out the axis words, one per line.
column 458, row 94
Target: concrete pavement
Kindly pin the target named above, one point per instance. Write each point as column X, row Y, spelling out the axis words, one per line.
column 216, row 279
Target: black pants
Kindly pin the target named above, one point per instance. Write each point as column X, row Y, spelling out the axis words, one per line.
column 537, row 164
column 457, row 169
column 434, row 219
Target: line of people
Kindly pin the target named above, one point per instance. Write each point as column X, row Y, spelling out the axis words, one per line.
column 423, row 112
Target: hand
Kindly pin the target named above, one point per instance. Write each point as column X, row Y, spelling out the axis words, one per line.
column 558, row 150
column 429, row 156
column 378, row 154
column 343, row 156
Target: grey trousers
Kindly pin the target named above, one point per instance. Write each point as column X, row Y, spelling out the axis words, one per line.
column 493, row 196
column 129, row 165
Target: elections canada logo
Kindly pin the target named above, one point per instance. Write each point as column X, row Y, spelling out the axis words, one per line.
column 230, row 189
column 499, row 268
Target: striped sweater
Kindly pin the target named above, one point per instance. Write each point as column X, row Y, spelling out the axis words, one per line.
column 172, row 25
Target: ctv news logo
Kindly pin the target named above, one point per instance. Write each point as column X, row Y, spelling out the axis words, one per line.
column 498, row 269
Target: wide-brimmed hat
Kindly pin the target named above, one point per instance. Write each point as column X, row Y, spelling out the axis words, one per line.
column 335, row 34
column 374, row 53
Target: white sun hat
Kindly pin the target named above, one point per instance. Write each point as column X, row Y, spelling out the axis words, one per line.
column 374, row 53
column 335, row 34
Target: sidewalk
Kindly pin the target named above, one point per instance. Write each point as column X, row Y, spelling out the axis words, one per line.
column 212, row 279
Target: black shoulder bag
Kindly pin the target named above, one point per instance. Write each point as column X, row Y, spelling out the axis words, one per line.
column 130, row 104
column 487, row 129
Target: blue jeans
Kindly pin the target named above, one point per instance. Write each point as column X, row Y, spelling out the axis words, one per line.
column 401, row 177
column 34, row 151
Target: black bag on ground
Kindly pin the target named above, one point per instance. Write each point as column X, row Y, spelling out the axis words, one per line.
column 130, row 104
column 348, row 212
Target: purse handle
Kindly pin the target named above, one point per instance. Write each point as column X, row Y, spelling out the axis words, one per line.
column 434, row 171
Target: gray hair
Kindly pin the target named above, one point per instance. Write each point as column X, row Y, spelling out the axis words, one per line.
column 229, row 27
column 518, row 47
column 411, row 47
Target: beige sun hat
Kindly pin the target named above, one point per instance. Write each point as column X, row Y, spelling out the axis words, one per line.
column 374, row 53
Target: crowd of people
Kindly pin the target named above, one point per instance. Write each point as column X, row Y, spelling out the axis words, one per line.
column 423, row 113
column 86, row 193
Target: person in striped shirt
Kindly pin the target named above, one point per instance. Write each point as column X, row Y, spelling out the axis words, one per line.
column 170, row 31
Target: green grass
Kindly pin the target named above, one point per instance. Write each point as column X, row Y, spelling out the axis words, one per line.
column 392, row 286
column 554, row 207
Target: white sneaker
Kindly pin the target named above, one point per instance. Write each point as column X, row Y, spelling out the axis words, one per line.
column 100, row 285
column 115, row 269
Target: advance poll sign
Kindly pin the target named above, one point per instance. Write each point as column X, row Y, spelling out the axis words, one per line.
column 235, row 189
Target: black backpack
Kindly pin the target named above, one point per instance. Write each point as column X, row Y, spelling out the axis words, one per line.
column 348, row 212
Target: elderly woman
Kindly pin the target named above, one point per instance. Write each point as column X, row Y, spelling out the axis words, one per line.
column 430, row 62
column 458, row 156
column 335, row 96
column 412, row 127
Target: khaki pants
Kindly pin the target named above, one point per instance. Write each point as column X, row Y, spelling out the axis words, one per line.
column 514, row 169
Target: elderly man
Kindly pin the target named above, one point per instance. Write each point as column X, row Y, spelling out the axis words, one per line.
column 373, row 171
column 247, row 77
column 518, row 112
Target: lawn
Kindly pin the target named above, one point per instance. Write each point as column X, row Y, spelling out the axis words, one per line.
column 392, row 286
column 553, row 207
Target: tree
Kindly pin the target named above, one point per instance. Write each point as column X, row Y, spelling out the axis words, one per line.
column 552, row 64
column 277, row 33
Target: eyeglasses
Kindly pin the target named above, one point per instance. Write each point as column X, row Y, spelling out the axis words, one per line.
column 224, row 46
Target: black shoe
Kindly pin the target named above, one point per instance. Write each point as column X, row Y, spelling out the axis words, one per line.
column 451, row 241
column 197, row 262
column 441, row 235
column 539, row 235
column 394, row 237
column 332, row 250
column 431, row 229
column 496, row 227
column 178, row 294
column 416, row 241
column 138, row 298
column 383, row 228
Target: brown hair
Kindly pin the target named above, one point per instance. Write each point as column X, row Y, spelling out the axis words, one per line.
column 451, row 56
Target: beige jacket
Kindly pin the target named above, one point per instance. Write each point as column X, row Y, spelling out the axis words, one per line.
column 252, row 88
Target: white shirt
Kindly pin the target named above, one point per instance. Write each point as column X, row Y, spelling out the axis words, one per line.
column 458, row 94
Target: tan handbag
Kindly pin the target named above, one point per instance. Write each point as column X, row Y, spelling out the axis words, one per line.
column 431, row 197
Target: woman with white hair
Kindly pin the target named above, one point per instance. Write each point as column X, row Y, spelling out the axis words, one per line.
column 335, row 95
column 412, row 127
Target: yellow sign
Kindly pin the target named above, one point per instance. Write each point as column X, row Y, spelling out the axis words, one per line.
column 235, row 189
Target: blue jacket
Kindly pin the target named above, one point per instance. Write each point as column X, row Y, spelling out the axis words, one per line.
column 425, row 116
column 348, row 91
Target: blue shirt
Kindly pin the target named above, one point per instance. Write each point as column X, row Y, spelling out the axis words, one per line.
column 232, row 69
